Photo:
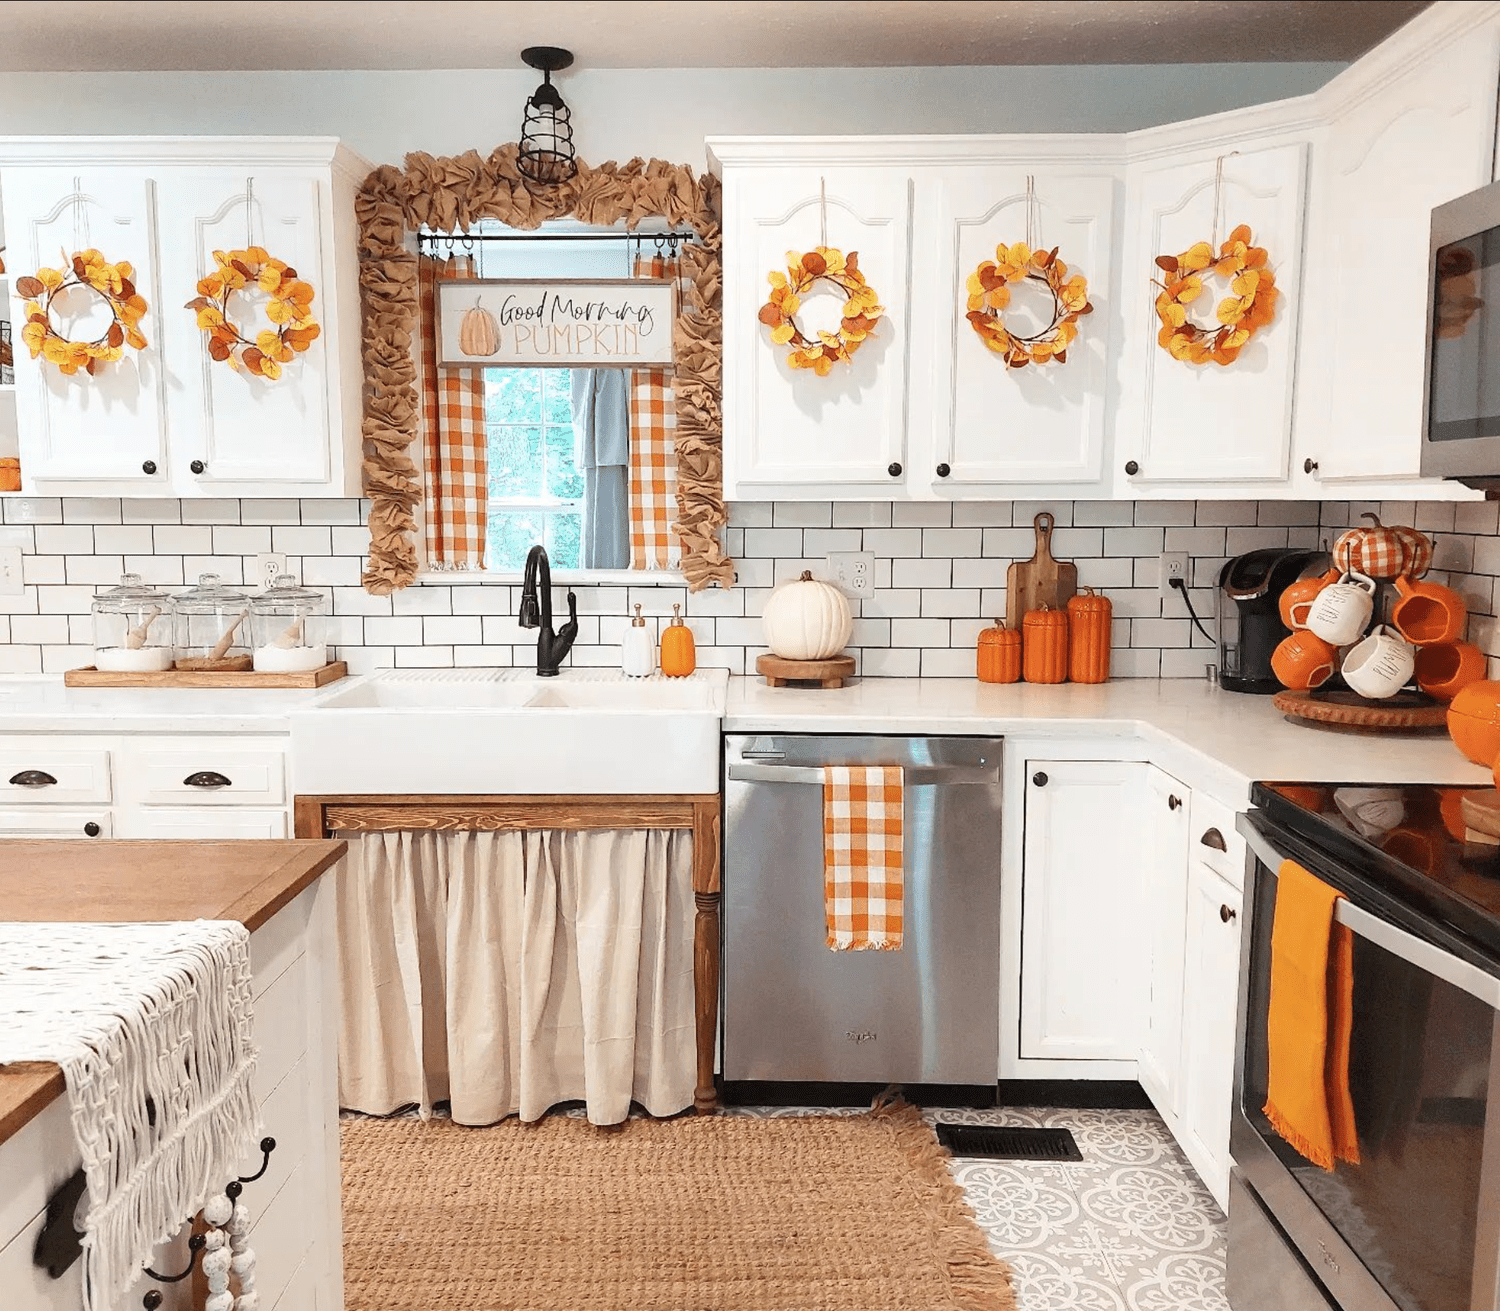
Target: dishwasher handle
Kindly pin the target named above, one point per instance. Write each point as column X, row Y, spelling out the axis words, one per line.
column 912, row 775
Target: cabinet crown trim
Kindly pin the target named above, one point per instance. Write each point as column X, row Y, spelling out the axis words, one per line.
column 1041, row 148
column 194, row 152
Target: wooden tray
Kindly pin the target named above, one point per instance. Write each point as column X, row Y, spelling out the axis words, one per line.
column 825, row 673
column 1404, row 712
column 91, row 677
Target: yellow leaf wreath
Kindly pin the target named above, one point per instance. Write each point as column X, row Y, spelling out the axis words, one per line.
column 803, row 271
column 288, row 307
column 989, row 293
column 1249, row 306
column 115, row 286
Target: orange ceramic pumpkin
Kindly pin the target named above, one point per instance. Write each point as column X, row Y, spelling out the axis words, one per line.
column 1474, row 722
column 998, row 656
column 679, row 657
column 1383, row 551
column 1044, row 646
column 1089, row 618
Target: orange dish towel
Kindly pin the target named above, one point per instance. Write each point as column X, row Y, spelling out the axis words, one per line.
column 1311, row 1017
column 862, row 884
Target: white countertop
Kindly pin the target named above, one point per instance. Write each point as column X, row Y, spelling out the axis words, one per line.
column 39, row 703
column 1190, row 725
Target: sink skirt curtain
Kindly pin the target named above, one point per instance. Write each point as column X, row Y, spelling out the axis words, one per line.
column 506, row 972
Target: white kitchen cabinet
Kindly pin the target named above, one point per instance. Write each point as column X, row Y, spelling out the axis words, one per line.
column 1083, row 968
column 1164, row 852
column 204, row 823
column 56, row 822
column 168, row 421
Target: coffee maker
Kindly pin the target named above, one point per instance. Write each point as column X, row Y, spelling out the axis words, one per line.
column 1249, row 615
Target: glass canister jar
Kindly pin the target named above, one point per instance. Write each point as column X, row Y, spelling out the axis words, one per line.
column 133, row 628
column 213, row 628
column 288, row 627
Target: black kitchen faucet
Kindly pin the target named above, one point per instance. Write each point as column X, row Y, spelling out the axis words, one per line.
column 550, row 647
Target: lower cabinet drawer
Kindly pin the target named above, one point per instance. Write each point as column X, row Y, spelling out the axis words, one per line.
column 202, row 822
column 1214, row 840
column 55, row 822
column 42, row 774
column 204, row 774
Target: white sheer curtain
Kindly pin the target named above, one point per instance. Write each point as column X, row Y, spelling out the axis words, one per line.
column 507, row 972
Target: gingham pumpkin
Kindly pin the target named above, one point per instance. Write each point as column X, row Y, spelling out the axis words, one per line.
column 1383, row 552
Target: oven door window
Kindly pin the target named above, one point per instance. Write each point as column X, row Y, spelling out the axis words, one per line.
column 1464, row 396
column 1420, row 1066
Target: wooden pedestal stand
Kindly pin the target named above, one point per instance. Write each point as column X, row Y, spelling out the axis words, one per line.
column 778, row 672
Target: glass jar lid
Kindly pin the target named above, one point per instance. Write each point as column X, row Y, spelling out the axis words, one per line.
column 286, row 591
column 212, row 593
column 132, row 591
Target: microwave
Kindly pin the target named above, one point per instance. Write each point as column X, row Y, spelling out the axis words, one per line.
column 1461, row 386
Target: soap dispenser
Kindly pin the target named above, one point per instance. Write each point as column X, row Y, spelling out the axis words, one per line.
column 678, row 655
column 638, row 653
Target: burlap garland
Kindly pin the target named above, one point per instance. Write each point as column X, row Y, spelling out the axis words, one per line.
column 455, row 193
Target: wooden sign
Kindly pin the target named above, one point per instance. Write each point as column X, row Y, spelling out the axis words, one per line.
column 555, row 323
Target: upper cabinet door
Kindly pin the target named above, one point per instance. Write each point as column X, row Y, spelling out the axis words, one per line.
column 993, row 423
column 241, row 428
column 786, row 428
column 1181, row 422
column 1408, row 144
column 107, row 428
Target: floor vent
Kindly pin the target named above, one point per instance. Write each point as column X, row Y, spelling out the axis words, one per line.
column 1008, row 1144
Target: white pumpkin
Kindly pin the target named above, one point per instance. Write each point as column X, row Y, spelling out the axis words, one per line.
column 807, row 620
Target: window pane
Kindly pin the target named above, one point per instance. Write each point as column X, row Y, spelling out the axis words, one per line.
column 515, row 460
column 512, row 395
column 557, row 386
column 512, row 533
column 564, row 537
column 564, row 480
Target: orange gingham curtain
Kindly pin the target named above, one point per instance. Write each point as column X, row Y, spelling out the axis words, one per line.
column 653, row 452
column 455, row 446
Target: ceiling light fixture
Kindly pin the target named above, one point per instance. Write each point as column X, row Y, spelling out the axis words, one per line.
column 547, row 154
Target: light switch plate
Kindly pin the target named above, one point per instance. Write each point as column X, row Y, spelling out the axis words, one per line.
column 11, row 583
column 853, row 572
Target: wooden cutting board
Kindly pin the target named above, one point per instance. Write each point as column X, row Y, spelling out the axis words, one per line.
column 1039, row 581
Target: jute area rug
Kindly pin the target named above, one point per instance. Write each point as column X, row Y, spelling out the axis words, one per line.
column 719, row 1213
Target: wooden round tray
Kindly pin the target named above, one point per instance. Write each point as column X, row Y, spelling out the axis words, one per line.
column 826, row 673
column 1404, row 712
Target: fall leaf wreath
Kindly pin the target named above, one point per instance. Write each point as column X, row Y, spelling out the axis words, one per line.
column 862, row 309
column 1249, row 306
column 989, row 293
column 115, row 286
column 288, row 307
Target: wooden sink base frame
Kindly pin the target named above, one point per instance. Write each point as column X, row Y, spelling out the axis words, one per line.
column 318, row 817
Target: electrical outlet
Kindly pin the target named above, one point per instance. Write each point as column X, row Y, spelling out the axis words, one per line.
column 1174, row 564
column 10, row 571
column 853, row 572
column 268, row 568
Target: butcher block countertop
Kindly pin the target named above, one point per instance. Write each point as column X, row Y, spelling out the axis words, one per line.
column 120, row 881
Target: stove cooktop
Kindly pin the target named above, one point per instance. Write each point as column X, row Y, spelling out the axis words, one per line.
column 1410, row 840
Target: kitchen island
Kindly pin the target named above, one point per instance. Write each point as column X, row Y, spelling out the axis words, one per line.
column 273, row 888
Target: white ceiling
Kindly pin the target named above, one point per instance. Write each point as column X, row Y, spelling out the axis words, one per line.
column 100, row 35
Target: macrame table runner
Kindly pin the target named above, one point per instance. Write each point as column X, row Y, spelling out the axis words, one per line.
column 151, row 1024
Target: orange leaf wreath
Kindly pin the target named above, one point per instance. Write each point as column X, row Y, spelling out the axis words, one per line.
column 113, row 283
column 288, row 307
column 1249, row 306
column 803, row 272
column 989, row 293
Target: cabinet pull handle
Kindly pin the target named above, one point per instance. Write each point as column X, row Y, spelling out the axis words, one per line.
column 1309, row 465
column 1213, row 838
column 1040, row 779
column 206, row 778
column 197, row 466
column 1174, row 803
column 32, row 778
column 1132, row 468
column 894, row 468
column 1227, row 913
column 91, row 829
column 148, row 466
column 943, row 471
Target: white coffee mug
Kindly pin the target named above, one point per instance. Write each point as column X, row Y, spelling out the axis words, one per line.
column 1372, row 812
column 1341, row 610
column 1381, row 665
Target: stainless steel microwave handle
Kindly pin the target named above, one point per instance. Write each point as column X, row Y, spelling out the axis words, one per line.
column 913, row 775
column 1432, row 960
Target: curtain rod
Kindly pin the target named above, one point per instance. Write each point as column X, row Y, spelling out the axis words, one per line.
column 437, row 239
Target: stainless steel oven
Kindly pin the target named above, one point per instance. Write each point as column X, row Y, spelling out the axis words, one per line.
column 1416, row 1223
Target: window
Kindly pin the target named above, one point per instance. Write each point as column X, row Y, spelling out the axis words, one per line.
column 535, row 488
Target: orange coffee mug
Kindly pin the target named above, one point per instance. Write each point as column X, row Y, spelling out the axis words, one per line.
column 1428, row 613
column 1445, row 670
column 1297, row 600
column 1303, row 661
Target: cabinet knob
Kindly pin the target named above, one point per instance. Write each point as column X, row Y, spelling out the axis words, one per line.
column 894, row 469
column 206, row 778
column 1227, row 913
column 149, row 466
column 1309, row 465
column 1132, row 468
column 32, row 778
column 1213, row 838
column 1174, row 803
column 197, row 466
column 1040, row 779
column 91, row 829
column 943, row 471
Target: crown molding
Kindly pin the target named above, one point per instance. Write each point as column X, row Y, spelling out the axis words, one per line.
column 183, row 151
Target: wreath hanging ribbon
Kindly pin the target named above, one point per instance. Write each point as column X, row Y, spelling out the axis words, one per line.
column 288, row 308
column 862, row 309
column 115, row 286
column 989, row 293
column 1249, row 306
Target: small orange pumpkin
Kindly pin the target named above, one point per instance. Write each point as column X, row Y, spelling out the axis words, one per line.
column 679, row 657
column 1089, row 618
column 1044, row 645
column 1383, row 551
column 998, row 654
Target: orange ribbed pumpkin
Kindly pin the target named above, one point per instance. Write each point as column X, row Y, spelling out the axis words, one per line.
column 1089, row 618
column 1044, row 646
column 998, row 655
column 679, row 657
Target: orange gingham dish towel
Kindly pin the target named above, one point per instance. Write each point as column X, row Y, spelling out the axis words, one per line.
column 455, row 450
column 863, row 890
column 653, row 454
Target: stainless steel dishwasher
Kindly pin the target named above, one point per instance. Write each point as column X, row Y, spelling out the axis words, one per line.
column 794, row 1009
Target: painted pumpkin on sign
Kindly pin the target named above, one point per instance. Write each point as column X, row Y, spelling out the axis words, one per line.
column 478, row 333
column 807, row 620
column 1383, row 551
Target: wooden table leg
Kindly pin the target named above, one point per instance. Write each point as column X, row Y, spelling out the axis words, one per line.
column 706, row 950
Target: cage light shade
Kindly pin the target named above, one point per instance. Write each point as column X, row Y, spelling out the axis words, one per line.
column 546, row 153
